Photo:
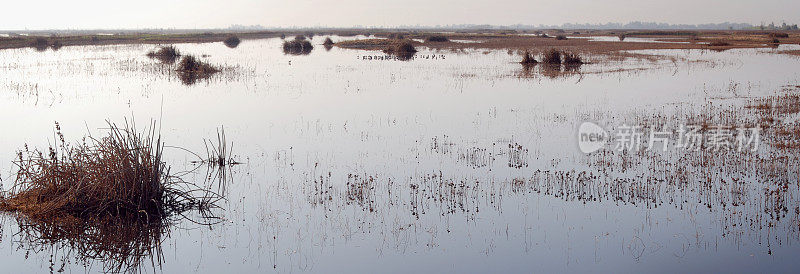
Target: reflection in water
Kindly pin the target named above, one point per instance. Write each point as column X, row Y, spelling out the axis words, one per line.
column 550, row 71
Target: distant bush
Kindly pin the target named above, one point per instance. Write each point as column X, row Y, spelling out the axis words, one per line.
column 283, row 36
column 779, row 35
column 561, row 37
column 300, row 37
column 437, row 38
column 622, row 37
column 297, row 46
column 776, row 41
column 232, row 41
column 396, row 36
column 56, row 45
column 40, row 44
column 328, row 41
column 552, row 57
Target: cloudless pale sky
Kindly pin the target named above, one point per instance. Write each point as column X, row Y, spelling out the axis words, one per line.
column 129, row 14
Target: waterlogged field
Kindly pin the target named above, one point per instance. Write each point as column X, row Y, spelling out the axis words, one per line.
column 452, row 161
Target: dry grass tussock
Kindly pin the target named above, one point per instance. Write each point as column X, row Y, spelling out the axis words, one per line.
column 109, row 198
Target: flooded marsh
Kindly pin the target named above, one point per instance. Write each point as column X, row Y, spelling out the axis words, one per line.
column 443, row 160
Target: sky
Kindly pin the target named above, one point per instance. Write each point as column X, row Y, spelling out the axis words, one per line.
column 127, row 14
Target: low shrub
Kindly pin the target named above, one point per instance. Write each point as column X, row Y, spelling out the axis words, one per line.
column 232, row 41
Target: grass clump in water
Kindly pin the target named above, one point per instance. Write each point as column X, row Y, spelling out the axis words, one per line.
column 404, row 50
column 561, row 37
column 297, row 46
column 232, row 41
column 328, row 42
column 527, row 59
column 111, row 198
column 437, row 38
column 572, row 59
column 190, row 69
column 166, row 54
column 552, row 57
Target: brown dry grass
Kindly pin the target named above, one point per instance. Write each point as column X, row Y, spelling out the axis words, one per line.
column 111, row 198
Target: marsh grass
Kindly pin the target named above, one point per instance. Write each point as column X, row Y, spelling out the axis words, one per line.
column 232, row 41
column 165, row 54
column 552, row 57
column 297, row 46
column 403, row 50
column 111, row 198
column 572, row 59
column 190, row 69
column 528, row 59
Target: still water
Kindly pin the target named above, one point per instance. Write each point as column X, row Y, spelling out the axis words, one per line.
column 453, row 161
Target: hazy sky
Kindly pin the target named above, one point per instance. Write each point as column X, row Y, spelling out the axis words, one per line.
column 84, row 14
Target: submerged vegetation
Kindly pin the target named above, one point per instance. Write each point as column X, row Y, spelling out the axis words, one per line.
column 232, row 41
column 111, row 197
column 298, row 46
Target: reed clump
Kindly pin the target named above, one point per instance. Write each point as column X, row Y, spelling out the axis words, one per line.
column 120, row 175
column 165, row 54
column 297, row 46
column 401, row 47
column 111, row 197
column 190, row 69
column 328, row 42
column 232, row 41
column 552, row 57
column 572, row 59
column 403, row 50
column 528, row 59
